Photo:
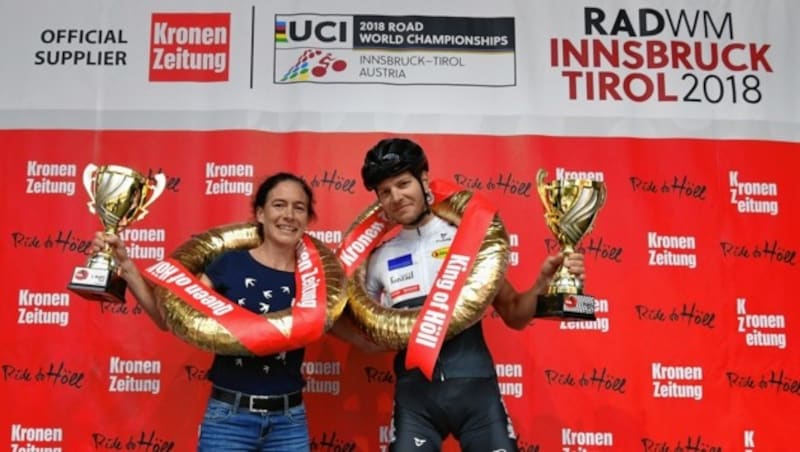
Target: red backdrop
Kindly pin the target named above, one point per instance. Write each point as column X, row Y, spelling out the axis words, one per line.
column 697, row 355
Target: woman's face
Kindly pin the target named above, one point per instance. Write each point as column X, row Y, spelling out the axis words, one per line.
column 284, row 216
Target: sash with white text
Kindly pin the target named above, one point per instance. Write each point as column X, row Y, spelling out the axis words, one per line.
column 257, row 334
column 431, row 325
column 357, row 245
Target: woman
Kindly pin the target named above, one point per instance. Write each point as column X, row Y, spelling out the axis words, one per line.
column 256, row 402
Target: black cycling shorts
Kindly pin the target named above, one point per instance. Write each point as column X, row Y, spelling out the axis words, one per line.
column 471, row 409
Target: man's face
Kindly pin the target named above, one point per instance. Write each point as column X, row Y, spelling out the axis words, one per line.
column 402, row 197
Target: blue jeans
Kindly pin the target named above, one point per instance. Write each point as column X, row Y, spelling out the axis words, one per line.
column 225, row 429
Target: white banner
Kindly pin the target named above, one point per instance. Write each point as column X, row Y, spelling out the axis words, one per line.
column 567, row 68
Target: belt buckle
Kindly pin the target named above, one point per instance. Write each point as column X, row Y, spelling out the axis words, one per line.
column 258, row 410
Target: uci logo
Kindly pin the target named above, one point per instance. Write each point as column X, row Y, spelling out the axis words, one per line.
column 315, row 30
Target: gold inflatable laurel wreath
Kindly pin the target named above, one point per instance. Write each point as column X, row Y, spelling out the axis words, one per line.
column 195, row 254
column 391, row 327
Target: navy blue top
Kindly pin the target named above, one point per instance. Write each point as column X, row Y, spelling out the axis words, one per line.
column 243, row 280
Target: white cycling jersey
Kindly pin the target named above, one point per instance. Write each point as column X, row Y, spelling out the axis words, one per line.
column 404, row 268
column 400, row 273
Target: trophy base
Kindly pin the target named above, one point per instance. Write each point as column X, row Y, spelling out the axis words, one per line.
column 98, row 285
column 563, row 306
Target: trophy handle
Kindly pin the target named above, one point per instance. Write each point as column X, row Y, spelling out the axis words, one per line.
column 601, row 200
column 157, row 190
column 541, row 187
column 87, row 182
column 589, row 210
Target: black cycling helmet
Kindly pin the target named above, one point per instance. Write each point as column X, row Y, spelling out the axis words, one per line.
column 390, row 157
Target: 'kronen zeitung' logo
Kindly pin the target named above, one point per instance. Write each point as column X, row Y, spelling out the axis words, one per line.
column 677, row 382
column 671, row 250
column 134, row 375
column 226, row 179
column 760, row 330
column 322, row 377
column 50, row 178
column 753, row 197
column 43, row 308
column 190, row 47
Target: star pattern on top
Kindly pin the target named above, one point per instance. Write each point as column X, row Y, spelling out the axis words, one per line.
column 251, row 284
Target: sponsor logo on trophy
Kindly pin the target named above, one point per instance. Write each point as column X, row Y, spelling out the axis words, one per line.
column 571, row 207
column 119, row 196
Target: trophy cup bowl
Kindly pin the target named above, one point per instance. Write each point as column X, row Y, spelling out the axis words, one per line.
column 571, row 207
column 119, row 196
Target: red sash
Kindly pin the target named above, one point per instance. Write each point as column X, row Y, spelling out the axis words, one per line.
column 430, row 329
column 357, row 245
column 431, row 326
column 258, row 335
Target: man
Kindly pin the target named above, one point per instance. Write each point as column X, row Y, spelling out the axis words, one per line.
column 463, row 397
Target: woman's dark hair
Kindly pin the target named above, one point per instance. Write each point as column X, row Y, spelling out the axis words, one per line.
column 390, row 157
column 273, row 181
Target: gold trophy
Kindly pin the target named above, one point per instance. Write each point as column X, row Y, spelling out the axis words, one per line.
column 119, row 196
column 571, row 207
